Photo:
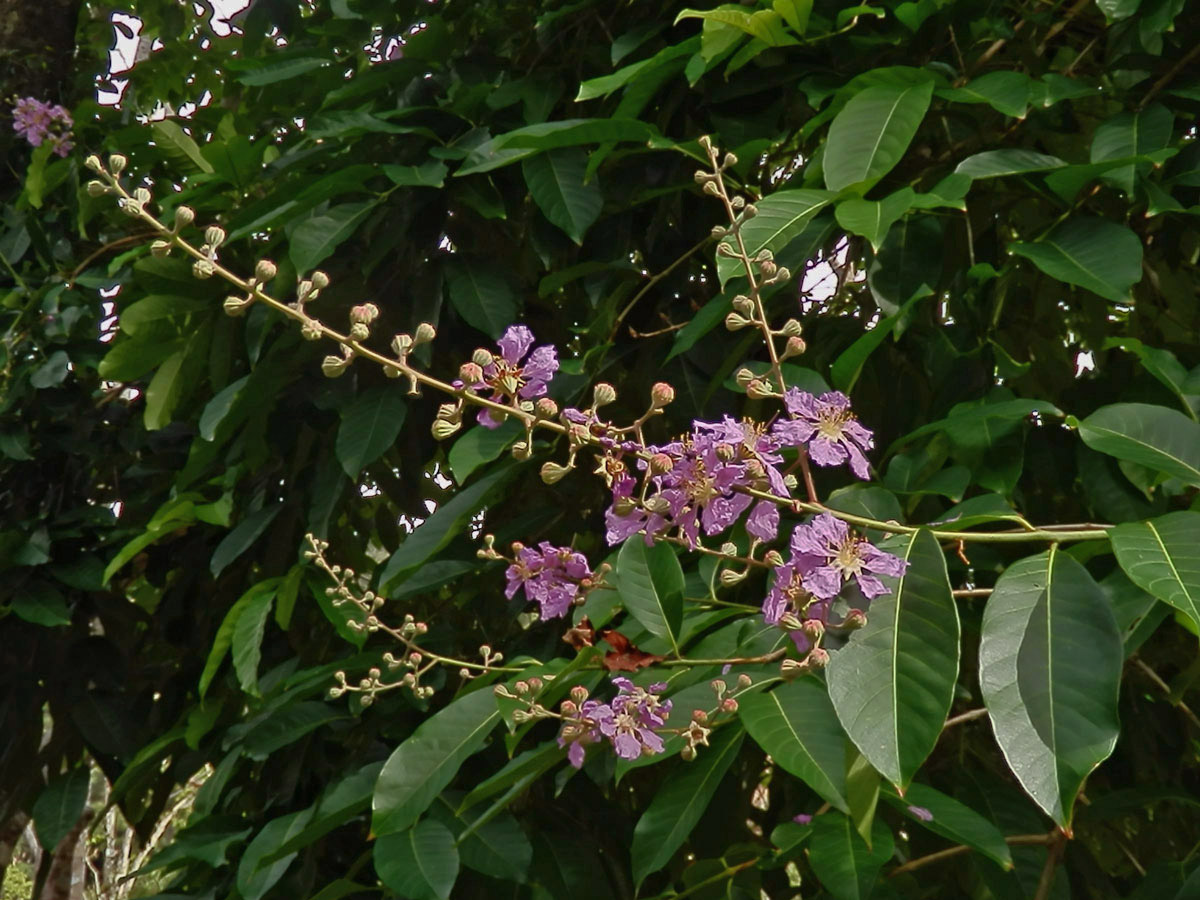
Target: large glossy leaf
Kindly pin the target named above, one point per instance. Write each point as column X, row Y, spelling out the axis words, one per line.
column 1164, row 366
column 1050, row 661
column 997, row 163
column 424, row 764
column 314, row 239
column 873, row 218
column 872, row 132
column 556, row 183
column 224, row 636
column 420, row 863
column 1157, row 437
column 369, row 426
column 953, row 820
column 254, row 876
column 1095, row 254
column 179, row 146
column 848, row 366
column 842, row 860
column 679, row 803
column 893, row 682
column 797, row 726
column 650, row 582
column 482, row 296
column 908, row 264
column 497, row 847
column 781, row 217
column 1162, row 556
column 1128, row 134
column 59, row 806
column 1006, row 92
column 479, row 446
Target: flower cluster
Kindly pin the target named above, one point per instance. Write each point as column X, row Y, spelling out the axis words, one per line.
column 827, row 428
column 553, row 577
column 40, row 122
column 512, row 376
column 627, row 722
column 824, row 556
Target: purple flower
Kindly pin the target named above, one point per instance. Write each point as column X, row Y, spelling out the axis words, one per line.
column 511, row 376
column 39, row 122
column 827, row 427
column 839, row 556
column 802, row 819
column 627, row 722
column 920, row 812
column 551, row 576
column 763, row 521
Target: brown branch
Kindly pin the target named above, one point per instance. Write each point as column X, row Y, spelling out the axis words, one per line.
column 1054, row 838
column 969, row 716
column 654, row 279
column 111, row 245
column 972, row 592
column 1166, row 689
column 1169, row 77
column 1057, row 845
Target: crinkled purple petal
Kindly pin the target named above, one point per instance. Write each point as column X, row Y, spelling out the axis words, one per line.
column 858, row 462
column 870, row 585
column 515, row 343
column 825, row 452
column 721, row 512
column 823, row 582
column 800, row 639
column 880, row 562
column 763, row 521
column 575, row 754
column 774, row 606
column 651, row 740
column 627, row 745
column 485, row 419
column 800, row 403
column 794, row 432
column 618, row 528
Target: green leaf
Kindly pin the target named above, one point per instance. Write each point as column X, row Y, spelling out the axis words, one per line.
column 219, row 407
column 425, row 763
column 1162, row 556
column 908, row 265
column 341, row 802
column 482, row 295
column 179, row 147
column 431, row 174
column 795, row 13
column 163, row 392
column 41, row 604
column 781, row 216
column 556, row 183
column 208, row 841
column 59, row 806
column 764, row 24
column 650, row 582
column 435, row 532
column 142, row 317
column 277, row 729
column 314, row 239
column 842, row 860
column 893, row 682
column 1095, row 254
column 240, row 539
column 1050, row 660
column 1115, row 10
column 680, row 802
column 573, row 132
column 479, row 446
column 998, row 163
column 531, row 762
column 873, row 218
column 420, row 863
column 1157, row 437
column 253, row 878
column 954, row 821
column 369, row 426
column 1128, row 134
column 247, row 639
column 1005, row 92
column 1164, row 366
column 52, row 372
column 797, row 726
column 492, row 843
column 848, row 366
column 224, row 636
column 282, row 70
column 872, row 132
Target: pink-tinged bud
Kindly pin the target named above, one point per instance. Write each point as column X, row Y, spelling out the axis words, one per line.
column 661, row 464
column 729, row 705
column 759, row 390
column 814, row 629
column 603, row 394
column 773, row 558
column 521, row 687
column 661, row 395
column 364, row 313
column 699, row 715
column 470, row 373
column 855, row 619
column 535, row 683
column 795, row 346
column 568, row 708
column 579, row 693
column 264, row 270
column 546, row 408
column 817, row 659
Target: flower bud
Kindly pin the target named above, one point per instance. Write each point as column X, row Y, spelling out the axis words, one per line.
column 750, row 211
column 536, row 684
column 545, row 408
column 744, row 681
column 264, row 270
column 333, row 366
column 719, row 687
column 743, row 304
column 794, row 347
column 520, row 450
column 736, row 322
column 184, row 216
column 482, row 358
column 236, row 306
column 661, row 464
column 729, row 577
column 214, row 235
column 319, row 280
column 579, row 693
column 311, row 330
column 424, row 334
column 96, row 188
column 93, row 163
column 552, row 472
column 855, row 619
column 817, row 659
column 791, row 328
column 130, row 208
column 568, row 708
column 116, row 163
column 699, row 715
column 782, row 274
column 159, row 249
column 743, row 377
column 729, row 548
column 729, row 705
column 662, row 394
column 773, row 558
column 791, row 669
column 813, row 629
column 450, row 412
column 521, row 688
column 623, row 506
column 730, row 160
column 767, row 267
column 603, row 394
column 364, row 313
column 469, row 373
column 203, row 268
column 790, row 622
column 142, row 196
column 401, row 344
column 443, row 429
column 759, row 390
column 658, row 505
column 687, row 752
column 710, row 188
column 359, row 332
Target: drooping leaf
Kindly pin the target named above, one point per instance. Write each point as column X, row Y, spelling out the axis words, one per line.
column 425, row 763
column 224, row 636
column 254, row 878
column 842, row 860
column 872, row 132
column 893, row 682
column 1157, row 437
column 1050, row 660
column 420, row 863
column 873, row 218
column 650, row 582
column 1162, row 556
column 556, row 183
column 59, row 806
column 1097, row 255
column 797, row 726
column 998, row 163
column 482, row 296
column 314, row 239
column 179, row 146
column 369, row 426
column 1164, row 366
column 680, row 802
column 1005, row 92
column 247, row 640
column 1127, row 134
column 244, row 534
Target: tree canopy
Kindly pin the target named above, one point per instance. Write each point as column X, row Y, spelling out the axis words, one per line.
column 942, row 291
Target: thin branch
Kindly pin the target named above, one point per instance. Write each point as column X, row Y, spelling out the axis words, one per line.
column 969, row 716
column 973, row 592
column 1166, row 689
column 654, row 279
column 1169, row 77
column 1052, row 859
column 1053, row 838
